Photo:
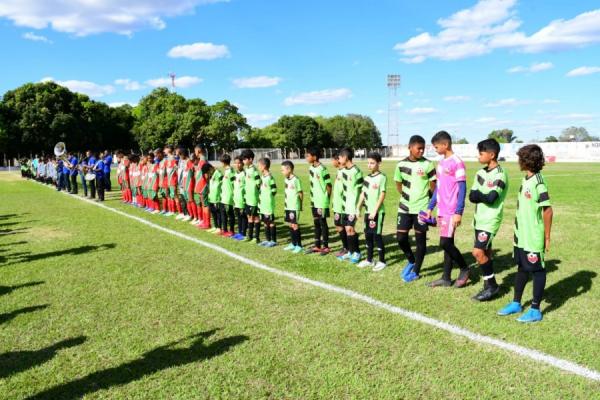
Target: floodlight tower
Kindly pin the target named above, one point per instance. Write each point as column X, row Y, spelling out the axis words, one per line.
column 393, row 83
column 172, row 76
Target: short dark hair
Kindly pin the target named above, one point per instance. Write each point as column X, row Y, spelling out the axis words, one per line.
column 531, row 158
column 416, row 139
column 169, row 146
column 247, row 154
column 314, row 151
column 206, row 168
column 183, row 151
column 347, row 152
column 288, row 164
column 490, row 146
column 441, row 137
column 375, row 156
column 225, row 159
column 265, row 161
column 239, row 158
column 335, row 155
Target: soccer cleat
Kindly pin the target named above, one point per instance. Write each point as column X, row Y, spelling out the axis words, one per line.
column 289, row 247
column 341, row 252
column 407, row 269
column 355, row 258
column 380, row 266
column 297, row 249
column 487, row 293
column 325, row 251
column 365, row 264
column 264, row 243
column 186, row 218
column 193, row 222
column 344, row 257
column 463, row 278
column 313, row 250
column 227, row 234
column 211, row 230
column 247, row 239
column 440, row 283
column 179, row 216
column 271, row 244
column 532, row 315
column 217, row 231
column 511, row 308
column 155, row 212
column 411, row 276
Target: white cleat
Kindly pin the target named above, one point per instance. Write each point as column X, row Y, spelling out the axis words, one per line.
column 379, row 266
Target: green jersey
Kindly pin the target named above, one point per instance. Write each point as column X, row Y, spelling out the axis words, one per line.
column 488, row 217
column 266, row 200
column 251, row 185
column 238, row 189
column 319, row 180
column 214, row 187
column 529, row 223
column 415, row 177
column 337, row 195
column 293, row 188
column 227, row 186
column 352, row 185
column 373, row 186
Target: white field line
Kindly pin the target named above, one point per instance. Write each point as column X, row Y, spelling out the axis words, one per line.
column 525, row 352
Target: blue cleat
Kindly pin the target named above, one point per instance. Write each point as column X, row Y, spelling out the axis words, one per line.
column 407, row 270
column 512, row 308
column 297, row 249
column 271, row 244
column 264, row 243
column 532, row 315
column 289, row 247
column 355, row 258
column 411, row 276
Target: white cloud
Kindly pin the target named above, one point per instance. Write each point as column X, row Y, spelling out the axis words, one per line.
column 121, row 103
column 492, row 24
column 535, row 67
column 581, row 71
column 506, row 103
column 180, row 81
column 259, row 119
column 319, row 97
column 422, row 110
column 456, row 99
column 256, row 82
column 550, row 101
column 199, row 51
column 85, row 17
column 485, row 120
column 86, row 87
column 36, row 38
column 129, row 85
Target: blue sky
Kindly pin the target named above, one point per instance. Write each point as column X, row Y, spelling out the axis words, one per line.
column 466, row 66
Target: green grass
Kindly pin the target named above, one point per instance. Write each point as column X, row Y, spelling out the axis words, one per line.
column 100, row 306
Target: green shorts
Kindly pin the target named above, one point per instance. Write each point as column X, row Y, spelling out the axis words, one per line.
column 172, row 192
column 151, row 194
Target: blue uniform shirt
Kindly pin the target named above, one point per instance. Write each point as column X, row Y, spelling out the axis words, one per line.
column 73, row 160
column 100, row 169
column 107, row 162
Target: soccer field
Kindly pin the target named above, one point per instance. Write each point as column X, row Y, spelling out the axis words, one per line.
column 98, row 305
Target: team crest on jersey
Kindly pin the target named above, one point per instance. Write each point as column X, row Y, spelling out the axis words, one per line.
column 320, row 211
column 482, row 237
column 350, row 217
column 290, row 186
column 527, row 194
column 490, row 184
column 336, row 216
column 374, row 186
column 532, row 258
column 292, row 215
column 420, row 172
column 372, row 223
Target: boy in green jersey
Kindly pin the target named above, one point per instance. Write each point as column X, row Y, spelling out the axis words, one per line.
column 320, row 190
column 214, row 198
column 226, row 203
column 372, row 196
column 488, row 193
column 337, row 204
column 238, row 199
column 415, row 181
column 251, row 189
column 293, row 205
column 533, row 223
column 352, row 180
column 266, row 203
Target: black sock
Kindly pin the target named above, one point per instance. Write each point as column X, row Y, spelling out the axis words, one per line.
column 273, row 233
column 447, row 274
column 356, row 245
column 293, row 236
column 298, row 237
column 245, row 226
column 451, row 254
column 351, row 243
column 380, row 247
column 268, row 232
column 539, row 284
column 520, row 282
column 369, row 243
column 250, row 228
column 487, row 270
column 344, row 238
column 405, row 246
column 421, row 239
column 325, row 232
column 317, row 224
column 257, row 231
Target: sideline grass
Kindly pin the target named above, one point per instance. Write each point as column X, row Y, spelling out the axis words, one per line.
column 111, row 287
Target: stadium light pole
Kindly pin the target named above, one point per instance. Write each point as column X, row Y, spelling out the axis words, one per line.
column 393, row 83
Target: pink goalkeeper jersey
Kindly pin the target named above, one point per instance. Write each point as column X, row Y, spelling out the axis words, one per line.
column 450, row 171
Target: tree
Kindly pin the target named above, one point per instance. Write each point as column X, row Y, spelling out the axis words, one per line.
column 353, row 130
column 576, row 134
column 192, row 128
column 301, row 131
column 225, row 127
column 457, row 140
column 551, row 139
column 502, row 135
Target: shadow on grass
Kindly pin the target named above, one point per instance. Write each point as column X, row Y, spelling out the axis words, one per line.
column 163, row 357
column 8, row 289
column 13, row 314
column 25, row 257
column 14, row 362
column 6, row 232
column 508, row 282
column 570, row 287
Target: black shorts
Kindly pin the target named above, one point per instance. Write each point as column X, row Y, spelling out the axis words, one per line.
column 408, row 221
column 338, row 219
column 320, row 212
column 374, row 226
column 483, row 240
column 348, row 219
column 267, row 218
column 251, row 211
column 228, row 208
column 291, row 216
column 528, row 261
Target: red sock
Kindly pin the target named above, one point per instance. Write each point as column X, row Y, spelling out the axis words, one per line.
column 164, row 205
column 193, row 209
column 178, row 204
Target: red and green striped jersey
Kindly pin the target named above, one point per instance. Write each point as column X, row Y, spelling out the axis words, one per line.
column 529, row 222
column 171, row 166
column 266, row 200
column 319, row 180
column 415, row 177
column 227, row 186
column 187, row 181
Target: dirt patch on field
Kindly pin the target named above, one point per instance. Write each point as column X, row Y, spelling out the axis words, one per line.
column 46, row 233
column 6, row 176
